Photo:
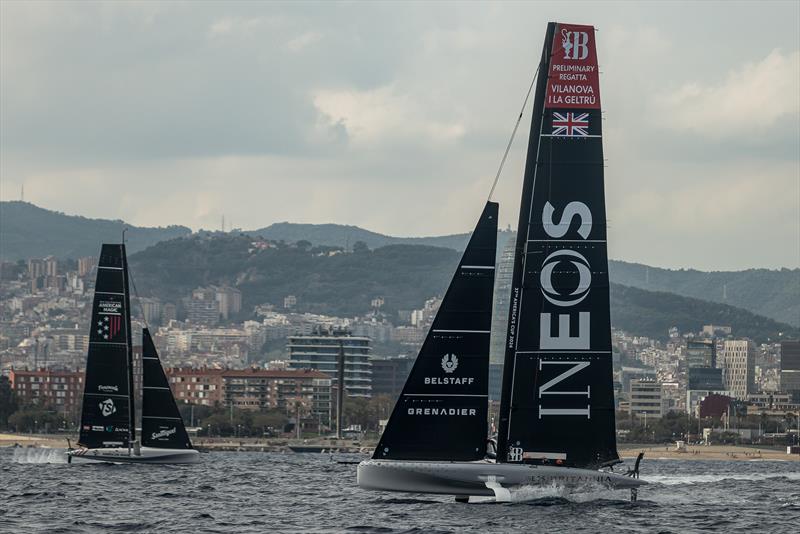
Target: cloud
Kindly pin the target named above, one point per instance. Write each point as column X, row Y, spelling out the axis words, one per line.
column 395, row 117
column 751, row 99
column 381, row 115
column 304, row 40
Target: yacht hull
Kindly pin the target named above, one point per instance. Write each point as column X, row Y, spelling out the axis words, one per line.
column 478, row 478
column 147, row 455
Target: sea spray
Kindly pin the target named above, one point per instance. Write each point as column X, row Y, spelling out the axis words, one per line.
column 585, row 491
column 39, row 455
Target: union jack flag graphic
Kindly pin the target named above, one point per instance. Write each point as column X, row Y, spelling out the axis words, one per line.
column 570, row 124
column 109, row 326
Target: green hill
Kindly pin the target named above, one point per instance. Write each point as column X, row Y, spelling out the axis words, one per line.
column 652, row 313
column 771, row 293
column 28, row 231
column 344, row 236
column 342, row 284
column 404, row 275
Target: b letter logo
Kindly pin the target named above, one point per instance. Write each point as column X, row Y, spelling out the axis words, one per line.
column 575, row 44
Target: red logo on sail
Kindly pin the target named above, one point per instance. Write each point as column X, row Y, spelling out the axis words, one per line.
column 570, row 124
column 573, row 80
column 109, row 326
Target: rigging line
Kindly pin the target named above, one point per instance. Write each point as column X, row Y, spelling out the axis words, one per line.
column 514, row 131
column 138, row 299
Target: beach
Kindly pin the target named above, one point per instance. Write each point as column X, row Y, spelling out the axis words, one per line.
column 626, row 451
column 706, row 452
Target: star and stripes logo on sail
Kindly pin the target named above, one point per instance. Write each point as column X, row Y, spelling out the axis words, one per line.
column 570, row 124
column 109, row 326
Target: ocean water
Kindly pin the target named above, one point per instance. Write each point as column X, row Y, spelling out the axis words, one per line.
column 264, row 492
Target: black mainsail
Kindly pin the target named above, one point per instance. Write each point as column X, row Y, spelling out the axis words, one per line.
column 557, row 405
column 442, row 411
column 162, row 424
column 107, row 417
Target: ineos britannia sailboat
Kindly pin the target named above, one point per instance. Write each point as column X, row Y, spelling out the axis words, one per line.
column 556, row 420
column 108, row 431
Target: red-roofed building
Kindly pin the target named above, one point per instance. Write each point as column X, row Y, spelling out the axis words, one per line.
column 62, row 390
column 715, row 406
column 255, row 389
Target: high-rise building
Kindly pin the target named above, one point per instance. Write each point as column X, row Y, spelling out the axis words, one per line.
column 320, row 351
column 503, row 275
column 390, row 374
column 85, row 265
column 151, row 309
column 36, row 268
column 738, row 367
column 790, row 369
column 705, row 378
column 50, row 266
column 645, row 398
column 202, row 307
column 701, row 353
column 230, row 301
column 169, row 312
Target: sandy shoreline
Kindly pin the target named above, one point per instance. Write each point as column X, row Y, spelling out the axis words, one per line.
column 710, row 452
column 652, row 452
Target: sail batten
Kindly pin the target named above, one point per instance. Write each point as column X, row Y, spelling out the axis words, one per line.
column 442, row 411
column 557, row 384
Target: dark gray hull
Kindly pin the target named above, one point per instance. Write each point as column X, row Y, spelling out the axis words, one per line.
column 148, row 455
column 478, row 478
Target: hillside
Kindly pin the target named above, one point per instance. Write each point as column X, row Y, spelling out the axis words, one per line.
column 771, row 293
column 28, row 231
column 651, row 313
column 340, row 235
column 405, row 275
column 343, row 284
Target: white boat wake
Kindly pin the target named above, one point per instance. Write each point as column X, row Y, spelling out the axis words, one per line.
column 674, row 480
column 39, row 455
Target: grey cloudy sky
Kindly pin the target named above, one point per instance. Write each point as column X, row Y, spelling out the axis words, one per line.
column 394, row 117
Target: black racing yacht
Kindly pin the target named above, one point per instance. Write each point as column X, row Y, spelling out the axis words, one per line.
column 556, row 419
column 108, row 430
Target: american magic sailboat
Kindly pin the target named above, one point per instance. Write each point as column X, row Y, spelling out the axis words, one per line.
column 556, row 419
column 108, row 431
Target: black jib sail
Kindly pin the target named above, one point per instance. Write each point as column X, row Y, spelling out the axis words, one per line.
column 442, row 411
column 557, row 404
column 162, row 424
column 107, row 418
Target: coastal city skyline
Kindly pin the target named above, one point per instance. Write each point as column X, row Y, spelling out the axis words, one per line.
column 395, row 121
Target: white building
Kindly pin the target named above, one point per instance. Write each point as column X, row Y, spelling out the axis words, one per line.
column 646, row 398
column 738, row 367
